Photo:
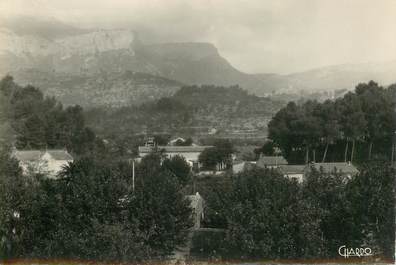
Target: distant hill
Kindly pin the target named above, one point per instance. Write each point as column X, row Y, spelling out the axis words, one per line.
column 100, row 90
column 335, row 77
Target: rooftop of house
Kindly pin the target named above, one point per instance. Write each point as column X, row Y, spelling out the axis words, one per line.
column 173, row 149
column 172, row 142
column 271, row 161
column 27, row 155
column 336, row 166
column 292, row 169
column 33, row 155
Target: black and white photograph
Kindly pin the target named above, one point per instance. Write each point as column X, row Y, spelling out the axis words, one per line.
column 197, row 132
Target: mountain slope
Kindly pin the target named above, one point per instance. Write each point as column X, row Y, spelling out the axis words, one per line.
column 342, row 76
column 77, row 53
column 100, row 90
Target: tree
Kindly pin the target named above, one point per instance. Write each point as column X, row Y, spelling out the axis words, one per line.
column 209, row 158
column 33, row 134
column 326, row 194
column 178, row 166
column 371, row 195
column 260, row 212
column 328, row 116
column 280, row 129
column 267, row 149
column 15, row 195
column 163, row 213
column 378, row 110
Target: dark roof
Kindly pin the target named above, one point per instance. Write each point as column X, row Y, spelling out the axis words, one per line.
column 174, row 149
column 292, row 169
column 33, row 155
column 271, row 161
column 336, row 166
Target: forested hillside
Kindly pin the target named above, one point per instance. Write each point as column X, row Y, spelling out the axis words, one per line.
column 99, row 90
column 191, row 110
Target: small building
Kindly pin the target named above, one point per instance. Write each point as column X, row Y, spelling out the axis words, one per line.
column 190, row 153
column 293, row 172
column 343, row 168
column 176, row 141
column 48, row 162
column 271, row 161
column 197, row 206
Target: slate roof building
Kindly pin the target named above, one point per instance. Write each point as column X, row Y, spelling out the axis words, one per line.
column 48, row 162
column 190, row 153
column 293, row 171
column 343, row 168
column 271, row 161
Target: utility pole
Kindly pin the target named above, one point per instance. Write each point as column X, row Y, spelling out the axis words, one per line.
column 393, row 162
column 132, row 160
column 133, row 175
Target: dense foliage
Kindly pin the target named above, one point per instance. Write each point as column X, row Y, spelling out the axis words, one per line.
column 217, row 157
column 40, row 122
column 92, row 212
column 360, row 126
column 268, row 216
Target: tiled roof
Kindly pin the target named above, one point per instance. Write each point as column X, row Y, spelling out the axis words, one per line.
column 33, row 155
column 29, row 155
column 271, row 161
column 336, row 166
column 292, row 169
column 60, row 154
column 173, row 149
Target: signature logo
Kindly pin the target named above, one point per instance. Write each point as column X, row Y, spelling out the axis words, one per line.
column 346, row 252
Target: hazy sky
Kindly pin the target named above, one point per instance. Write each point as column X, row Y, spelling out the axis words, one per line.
column 279, row 36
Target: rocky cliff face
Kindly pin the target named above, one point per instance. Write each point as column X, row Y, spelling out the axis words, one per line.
column 71, row 54
column 82, row 44
column 93, row 53
column 116, row 51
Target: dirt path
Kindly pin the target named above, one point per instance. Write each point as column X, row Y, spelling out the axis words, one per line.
column 182, row 252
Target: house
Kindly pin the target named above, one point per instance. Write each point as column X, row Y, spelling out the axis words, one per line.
column 271, row 161
column 197, row 206
column 176, row 141
column 190, row 153
column 293, row 172
column 48, row 162
column 343, row 168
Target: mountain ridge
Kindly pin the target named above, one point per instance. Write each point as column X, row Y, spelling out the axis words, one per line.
column 87, row 53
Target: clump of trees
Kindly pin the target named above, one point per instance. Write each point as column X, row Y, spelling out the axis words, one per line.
column 358, row 126
column 39, row 122
column 268, row 216
column 217, row 157
column 92, row 212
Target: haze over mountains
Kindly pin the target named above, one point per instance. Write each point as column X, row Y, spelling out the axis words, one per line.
column 114, row 67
